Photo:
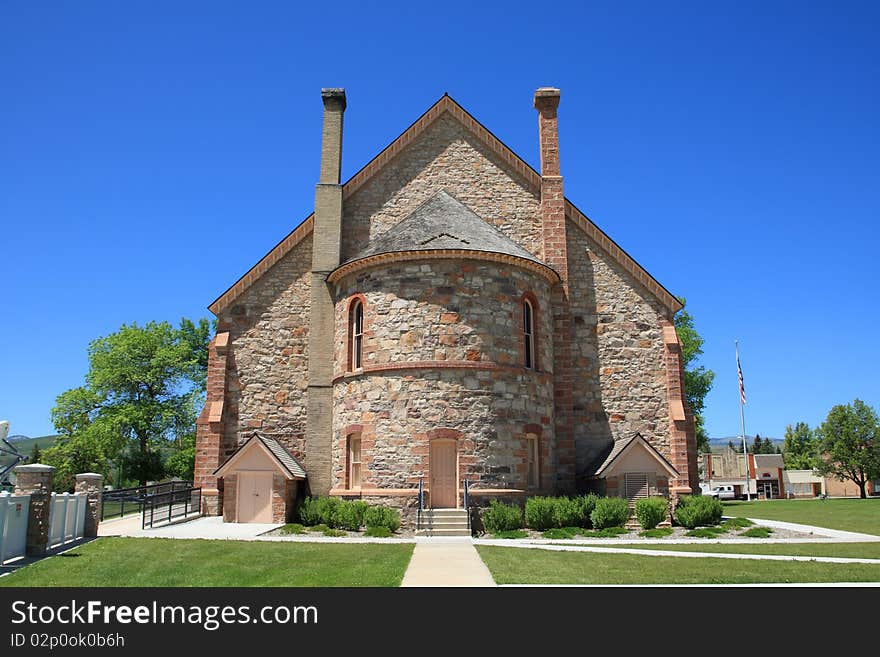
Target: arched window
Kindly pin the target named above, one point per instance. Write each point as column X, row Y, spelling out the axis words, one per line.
column 353, row 456
column 528, row 316
column 532, row 470
column 356, row 335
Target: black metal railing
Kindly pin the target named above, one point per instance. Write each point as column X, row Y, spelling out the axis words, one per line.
column 170, row 505
column 421, row 503
column 116, row 503
column 467, row 500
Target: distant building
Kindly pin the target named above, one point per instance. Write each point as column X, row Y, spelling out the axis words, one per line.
column 763, row 479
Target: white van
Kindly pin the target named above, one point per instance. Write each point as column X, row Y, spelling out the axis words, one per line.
column 723, row 492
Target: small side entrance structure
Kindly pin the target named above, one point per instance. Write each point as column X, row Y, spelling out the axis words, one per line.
column 633, row 468
column 260, row 482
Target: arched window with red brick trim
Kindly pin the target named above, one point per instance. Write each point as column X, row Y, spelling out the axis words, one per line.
column 355, row 335
column 530, row 356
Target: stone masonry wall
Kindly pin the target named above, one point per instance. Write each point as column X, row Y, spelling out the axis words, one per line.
column 443, row 310
column 618, row 353
column 446, row 156
column 268, row 354
column 459, row 325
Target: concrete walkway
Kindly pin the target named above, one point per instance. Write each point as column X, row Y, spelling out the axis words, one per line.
column 446, row 562
column 211, row 527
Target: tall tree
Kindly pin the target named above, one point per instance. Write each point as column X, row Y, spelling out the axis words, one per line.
column 697, row 379
column 800, row 448
column 850, row 444
column 141, row 395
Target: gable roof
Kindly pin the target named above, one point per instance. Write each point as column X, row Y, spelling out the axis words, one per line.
column 444, row 222
column 286, row 461
column 531, row 177
column 619, row 448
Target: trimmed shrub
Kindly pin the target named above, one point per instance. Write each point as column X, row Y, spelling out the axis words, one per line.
column 540, row 513
column 293, row 528
column 757, row 532
column 610, row 512
column 651, row 511
column 382, row 516
column 566, row 512
column 350, row 515
column 308, row 511
column 501, row 517
column 586, row 504
column 698, row 510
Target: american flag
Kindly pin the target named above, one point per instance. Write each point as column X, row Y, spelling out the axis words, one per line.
column 742, row 389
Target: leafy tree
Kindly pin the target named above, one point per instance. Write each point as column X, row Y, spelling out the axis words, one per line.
column 142, row 392
column 800, row 447
column 697, row 379
column 850, row 444
column 36, row 454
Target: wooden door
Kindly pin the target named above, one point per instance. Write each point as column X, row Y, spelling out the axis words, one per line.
column 254, row 497
column 444, row 479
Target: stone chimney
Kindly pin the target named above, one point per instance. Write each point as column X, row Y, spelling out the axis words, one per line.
column 556, row 255
column 552, row 197
column 326, row 240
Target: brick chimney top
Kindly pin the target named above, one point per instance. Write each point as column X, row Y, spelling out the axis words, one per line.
column 547, row 98
column 333, row 96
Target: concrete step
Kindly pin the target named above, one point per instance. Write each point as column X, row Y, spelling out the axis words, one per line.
column 443, row 532
column 438, row 524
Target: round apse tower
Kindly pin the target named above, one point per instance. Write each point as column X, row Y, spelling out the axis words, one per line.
column 443, row 362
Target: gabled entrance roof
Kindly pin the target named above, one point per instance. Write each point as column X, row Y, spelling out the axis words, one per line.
column 531, row 177
column 606, row 464
column 286, row 462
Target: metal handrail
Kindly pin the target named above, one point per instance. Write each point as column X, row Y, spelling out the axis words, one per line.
column 421, row 503
column 467, row 506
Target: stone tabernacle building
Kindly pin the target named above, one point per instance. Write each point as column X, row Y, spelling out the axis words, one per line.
column 445, row 315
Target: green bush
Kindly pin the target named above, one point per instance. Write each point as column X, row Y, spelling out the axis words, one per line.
column 334, row 532
column 382, row 516
column 567, row 512
column 586, row 504
column 501, row 517
column 651, row 511
column 318, row 528
column 698, row 510
column 610, row 512
column 378, row 532
column 350, row 515
column 540, row 513
column 293, row 528
column 308, row 511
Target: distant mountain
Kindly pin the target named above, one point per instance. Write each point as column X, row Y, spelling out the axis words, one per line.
column 25, row 444
column 18, row 436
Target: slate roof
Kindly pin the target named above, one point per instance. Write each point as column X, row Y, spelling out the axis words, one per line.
column 444, row 222
column 287, row 459
column 614, row 448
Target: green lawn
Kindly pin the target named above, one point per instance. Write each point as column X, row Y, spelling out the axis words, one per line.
column 171, row 562
column 852, row 550
column 853, row 515
column 522, row 566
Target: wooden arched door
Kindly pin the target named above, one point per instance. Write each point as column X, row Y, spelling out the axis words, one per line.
column 444, row 474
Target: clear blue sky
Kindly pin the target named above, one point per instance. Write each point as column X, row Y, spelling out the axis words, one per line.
column 150, row 153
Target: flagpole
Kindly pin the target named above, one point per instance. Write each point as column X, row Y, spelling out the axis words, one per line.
column 742, row 419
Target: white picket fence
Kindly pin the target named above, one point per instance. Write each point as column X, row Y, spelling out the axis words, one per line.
column 13, row 525
column 67, row 518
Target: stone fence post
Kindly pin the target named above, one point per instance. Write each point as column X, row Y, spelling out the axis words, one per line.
column 36, row 480
column 91, row 484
